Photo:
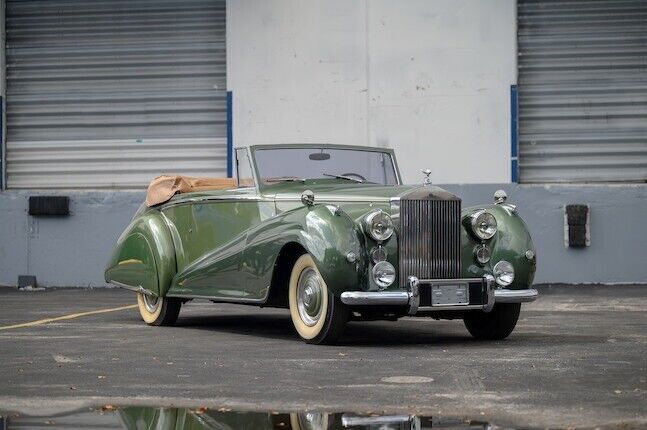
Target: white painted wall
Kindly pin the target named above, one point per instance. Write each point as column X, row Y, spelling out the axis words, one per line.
column 429, row 78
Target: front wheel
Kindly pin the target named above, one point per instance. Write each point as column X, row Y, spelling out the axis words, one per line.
column 158, row 310
column 318, row 316
column 494, row 325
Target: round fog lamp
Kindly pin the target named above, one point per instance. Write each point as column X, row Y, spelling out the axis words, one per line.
column 378, row 254
column 482, row 254
column 383, row 274
column 503, row 273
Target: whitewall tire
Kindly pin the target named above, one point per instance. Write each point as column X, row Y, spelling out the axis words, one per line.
column 318, row 316
column 158, row 310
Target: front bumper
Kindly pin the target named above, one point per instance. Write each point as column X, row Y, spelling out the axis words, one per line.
column 411, row 298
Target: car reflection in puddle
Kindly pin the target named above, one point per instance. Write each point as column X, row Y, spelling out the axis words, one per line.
column 148, row 418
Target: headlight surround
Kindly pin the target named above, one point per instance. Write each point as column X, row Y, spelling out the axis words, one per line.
column 379, row 225
column 483, row 224
column 383, row 274
column 503, row 273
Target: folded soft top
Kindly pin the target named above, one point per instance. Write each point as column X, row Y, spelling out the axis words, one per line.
column 162, row 188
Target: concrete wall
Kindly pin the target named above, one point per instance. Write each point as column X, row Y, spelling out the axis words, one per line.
column 73, row 251
column 430, row 79
column 62, row 251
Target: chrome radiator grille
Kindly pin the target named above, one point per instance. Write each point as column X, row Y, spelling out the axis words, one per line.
column 430, row 239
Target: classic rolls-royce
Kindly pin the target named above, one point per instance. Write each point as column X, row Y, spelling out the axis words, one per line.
column 330, row 233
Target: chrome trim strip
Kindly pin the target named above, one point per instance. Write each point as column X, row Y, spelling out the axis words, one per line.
column 451, row 308
column 355, row 421
column 452, row 280
column 218, row 298
column 375, row 297
column 296, row 199
column 337, row 199
column 137, row 289
column 205, row 198
column 515, row 296
column 394, row 204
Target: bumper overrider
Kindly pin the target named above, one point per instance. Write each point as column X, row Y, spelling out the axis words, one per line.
column 430, row 295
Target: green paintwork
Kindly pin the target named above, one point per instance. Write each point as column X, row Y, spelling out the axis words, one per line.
column 510, row 243
column 224, row 244
column 144, row 256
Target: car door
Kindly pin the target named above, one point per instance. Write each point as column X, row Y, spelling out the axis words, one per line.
column 209, row 237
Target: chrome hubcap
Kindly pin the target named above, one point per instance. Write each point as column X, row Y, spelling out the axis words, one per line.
column 150, row 302
column 309, row 296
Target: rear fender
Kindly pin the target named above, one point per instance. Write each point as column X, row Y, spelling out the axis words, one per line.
column 144, row 257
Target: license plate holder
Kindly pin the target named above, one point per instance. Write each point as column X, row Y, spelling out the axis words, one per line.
column 450, row 294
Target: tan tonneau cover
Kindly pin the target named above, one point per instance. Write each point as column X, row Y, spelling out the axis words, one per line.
column 162, row 188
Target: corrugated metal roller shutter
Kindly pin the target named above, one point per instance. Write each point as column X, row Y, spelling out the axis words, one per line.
column 582, row 90
column 109, row 93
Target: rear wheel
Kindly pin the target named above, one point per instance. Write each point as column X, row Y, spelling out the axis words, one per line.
column 318, row 316
column 158, row 310
column 494, row 325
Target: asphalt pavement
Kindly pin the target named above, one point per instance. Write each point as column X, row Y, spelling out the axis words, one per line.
column 578, row 358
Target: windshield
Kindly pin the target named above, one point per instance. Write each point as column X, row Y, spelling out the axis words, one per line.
column 296, row 164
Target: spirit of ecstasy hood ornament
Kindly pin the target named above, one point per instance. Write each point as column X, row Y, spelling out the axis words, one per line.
column 427, row 174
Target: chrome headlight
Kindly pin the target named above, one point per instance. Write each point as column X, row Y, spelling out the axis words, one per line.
column 383, row 274
column 379, row 225
column 483, row 224
column 503, row 273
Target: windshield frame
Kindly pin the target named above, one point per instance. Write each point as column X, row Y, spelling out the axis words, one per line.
column 253, row 148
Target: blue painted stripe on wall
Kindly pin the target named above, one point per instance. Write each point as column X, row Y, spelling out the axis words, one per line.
column 515, row 170
column 230, row 137
column 514, row 126
column 513, row 120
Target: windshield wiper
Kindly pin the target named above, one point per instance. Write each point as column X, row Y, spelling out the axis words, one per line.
column 348, row 178
column 285, row 179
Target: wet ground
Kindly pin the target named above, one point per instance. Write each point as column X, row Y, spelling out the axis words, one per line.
column 578, row 358
column 136, row 418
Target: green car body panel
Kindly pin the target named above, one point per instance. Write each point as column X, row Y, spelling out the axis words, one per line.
column 225, row 245
column 144, row 256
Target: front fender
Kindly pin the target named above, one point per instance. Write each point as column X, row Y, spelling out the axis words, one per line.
column 510, row 243
column 144, row 255
column 324, row 231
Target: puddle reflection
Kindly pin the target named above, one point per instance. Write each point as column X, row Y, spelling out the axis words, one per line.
column 148, row 418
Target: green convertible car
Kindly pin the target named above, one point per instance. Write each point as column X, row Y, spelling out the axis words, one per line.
column 332, row 234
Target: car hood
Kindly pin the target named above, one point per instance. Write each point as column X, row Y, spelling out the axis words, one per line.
column 354, row 192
